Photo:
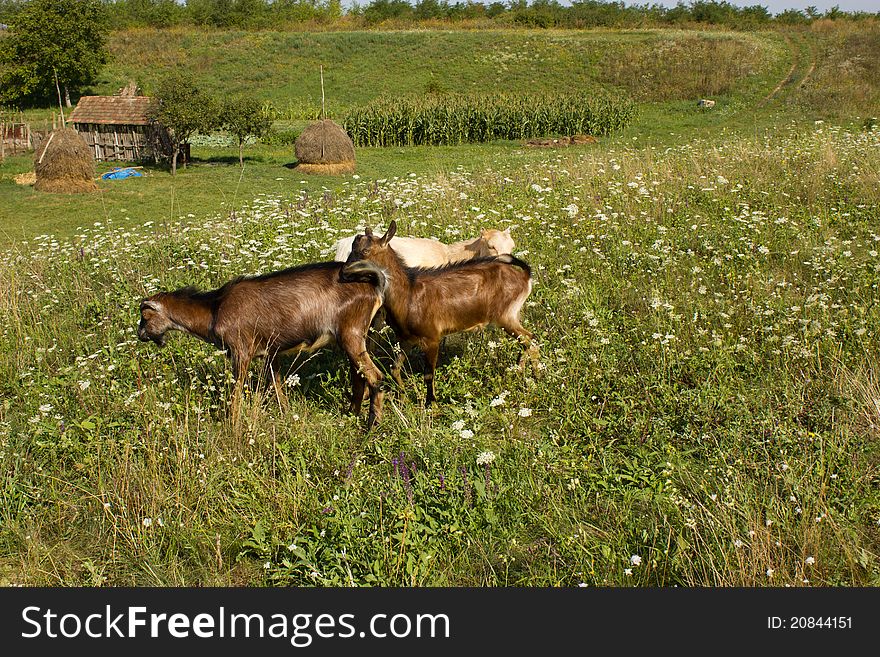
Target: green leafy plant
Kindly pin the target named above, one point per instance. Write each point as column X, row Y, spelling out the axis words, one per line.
column 244, row 117
column 52, row 39
column 184, row 108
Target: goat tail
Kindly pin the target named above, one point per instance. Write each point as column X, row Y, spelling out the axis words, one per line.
column 364, row 269
column 508, row 259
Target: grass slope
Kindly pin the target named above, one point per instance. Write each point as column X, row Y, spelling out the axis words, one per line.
column 282, row 68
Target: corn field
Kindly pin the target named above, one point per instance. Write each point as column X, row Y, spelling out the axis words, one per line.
column 458, row 119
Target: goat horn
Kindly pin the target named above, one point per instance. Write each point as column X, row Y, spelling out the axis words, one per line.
column 390, row 232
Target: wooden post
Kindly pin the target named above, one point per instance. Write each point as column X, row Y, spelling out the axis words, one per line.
column 2, row 141
column 58, row 89
column 323, row 116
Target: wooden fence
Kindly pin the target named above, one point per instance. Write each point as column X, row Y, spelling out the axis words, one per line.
column 15, row 138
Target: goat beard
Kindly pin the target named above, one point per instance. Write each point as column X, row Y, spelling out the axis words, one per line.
column 160, row 339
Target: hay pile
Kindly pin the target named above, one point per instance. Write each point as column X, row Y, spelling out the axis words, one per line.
column 28, row 178
column 64, row 163
column 559, row 142
column 324, row 148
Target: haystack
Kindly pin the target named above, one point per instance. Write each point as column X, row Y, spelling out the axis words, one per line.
column 324, row 148
column 28, row 178
column 64, row 163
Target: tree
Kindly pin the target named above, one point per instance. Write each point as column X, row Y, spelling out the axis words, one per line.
column 244, row 117
column 49, row 37
column 184, row 109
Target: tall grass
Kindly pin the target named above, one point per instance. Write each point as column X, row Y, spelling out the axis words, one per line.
column 686, row 66
column 847, row 68
column 708, row 401
column 459, row 118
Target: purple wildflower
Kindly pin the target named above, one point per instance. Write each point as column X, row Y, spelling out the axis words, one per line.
column 407, row 484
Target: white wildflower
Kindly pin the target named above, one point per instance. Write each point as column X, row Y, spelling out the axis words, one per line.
column 499, row 400
column 485, row 458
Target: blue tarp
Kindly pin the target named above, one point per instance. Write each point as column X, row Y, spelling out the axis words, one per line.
column 121, row 172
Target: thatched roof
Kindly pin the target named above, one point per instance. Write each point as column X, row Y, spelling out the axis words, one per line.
column 324, row 143
column 113, row 110
column 64, row 163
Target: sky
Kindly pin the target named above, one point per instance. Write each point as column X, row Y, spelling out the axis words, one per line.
column 773, row 6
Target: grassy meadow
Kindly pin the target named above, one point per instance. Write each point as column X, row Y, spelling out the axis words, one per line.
column 708, row 408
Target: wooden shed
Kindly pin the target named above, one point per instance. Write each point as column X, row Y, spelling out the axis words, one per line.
column 120, row 128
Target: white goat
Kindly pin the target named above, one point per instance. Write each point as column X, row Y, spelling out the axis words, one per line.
column 421, row 252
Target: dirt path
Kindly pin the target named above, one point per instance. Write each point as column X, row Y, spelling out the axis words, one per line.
column 790, row 78
column 807, row 76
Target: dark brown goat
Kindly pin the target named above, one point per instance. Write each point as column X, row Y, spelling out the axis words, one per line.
column 423, row 305
column 299, row 309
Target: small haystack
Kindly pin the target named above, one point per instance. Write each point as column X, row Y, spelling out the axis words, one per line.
column 324, row 148
column 559, row 142
column 64, row 163
column 28, row 178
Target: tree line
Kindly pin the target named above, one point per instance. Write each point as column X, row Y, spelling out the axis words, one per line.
column 261, row 14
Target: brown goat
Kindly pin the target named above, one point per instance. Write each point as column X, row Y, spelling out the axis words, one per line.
column 299, row 309
column 423, row 305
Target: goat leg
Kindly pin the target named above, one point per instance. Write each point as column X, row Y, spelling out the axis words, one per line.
column 526, row 339
column 398, row 366
column 432, row 349
column 364, row 369
column 358, row 389
column 275, row 373
column 240, row 366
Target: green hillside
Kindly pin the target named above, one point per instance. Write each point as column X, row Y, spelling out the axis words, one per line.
column 283, row 68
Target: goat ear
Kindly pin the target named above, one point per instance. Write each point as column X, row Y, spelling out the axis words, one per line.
column 368, row 231
column 507, row 230
column 147, row 304
column 389, row 233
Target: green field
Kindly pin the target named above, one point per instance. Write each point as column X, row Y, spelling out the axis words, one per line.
column 704, row 304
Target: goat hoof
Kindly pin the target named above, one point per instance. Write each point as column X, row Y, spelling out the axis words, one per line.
column 372, row 421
